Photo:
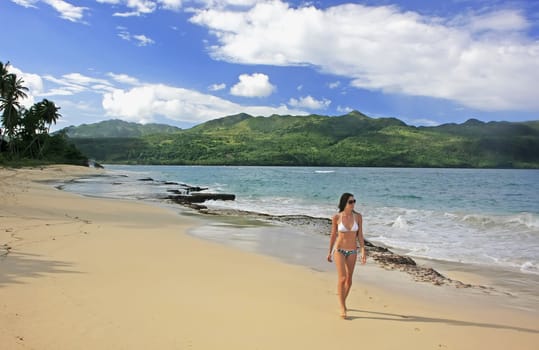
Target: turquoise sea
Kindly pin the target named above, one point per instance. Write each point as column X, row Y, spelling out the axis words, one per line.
column 476, row 217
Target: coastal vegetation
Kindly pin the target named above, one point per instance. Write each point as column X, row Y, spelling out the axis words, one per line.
column 25, row 134
column 353, row 139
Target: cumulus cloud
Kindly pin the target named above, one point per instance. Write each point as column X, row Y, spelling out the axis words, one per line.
column 139, row 101
column 483, row 61
column 217, row 87
column 497, row 21
column 143, row 103
column 309, row 102
column 254, row 85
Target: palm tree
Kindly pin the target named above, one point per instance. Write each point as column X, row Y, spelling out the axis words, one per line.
column 11, row 91
column 3, row 74
column 48, row 112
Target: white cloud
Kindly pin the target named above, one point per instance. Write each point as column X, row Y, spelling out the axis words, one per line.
column 75, row 83
column 143, row 103
column 496, row 21
column 254, row 85
column 141, row 7
column 143, row 40
column 344, row 110
column 299, row 87
column 67, row 11
column 102, row 88
column 124, row 79
column 140, row 39
column 217, row 87
column 223, row 4
column 309, row 102
column 124, row 35
column 481, row 61
column 26, row 3
column 77, row 78
column 135, row 7
column 334, row 85
column 126, row 14
column 173, row 5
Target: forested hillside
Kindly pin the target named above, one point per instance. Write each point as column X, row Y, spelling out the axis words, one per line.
column 117, row 128
column 349, row 140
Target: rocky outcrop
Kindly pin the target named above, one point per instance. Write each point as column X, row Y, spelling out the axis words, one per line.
column 201, row 197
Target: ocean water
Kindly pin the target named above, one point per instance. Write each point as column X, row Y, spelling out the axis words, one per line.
column 479, row 217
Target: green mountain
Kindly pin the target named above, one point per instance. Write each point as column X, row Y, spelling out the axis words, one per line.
column 117, row 128
column 353, row 139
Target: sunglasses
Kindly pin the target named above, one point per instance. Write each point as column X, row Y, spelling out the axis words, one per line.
column 351, row 201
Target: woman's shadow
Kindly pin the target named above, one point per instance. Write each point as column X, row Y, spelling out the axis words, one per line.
column 372, row 315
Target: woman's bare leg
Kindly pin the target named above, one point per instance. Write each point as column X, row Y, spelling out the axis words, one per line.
column 350, row 264
column 340, row 263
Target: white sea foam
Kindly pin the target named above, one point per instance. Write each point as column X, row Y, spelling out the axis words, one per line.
column 530, row 267
column 400, row 223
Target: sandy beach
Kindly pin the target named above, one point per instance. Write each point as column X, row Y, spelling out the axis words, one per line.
column 90, row 273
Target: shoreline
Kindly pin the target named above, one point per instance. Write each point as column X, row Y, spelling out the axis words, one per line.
column 421, row 270
column 91, row 273
column 485, row 279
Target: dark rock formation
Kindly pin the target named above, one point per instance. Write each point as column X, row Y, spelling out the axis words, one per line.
column 201, row 197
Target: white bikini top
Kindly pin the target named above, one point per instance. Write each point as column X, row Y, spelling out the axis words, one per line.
column 343, row 228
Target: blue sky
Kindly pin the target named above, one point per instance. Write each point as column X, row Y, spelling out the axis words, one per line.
column 183, row 62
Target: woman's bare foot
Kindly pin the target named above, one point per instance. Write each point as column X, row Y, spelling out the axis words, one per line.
column 343, row 313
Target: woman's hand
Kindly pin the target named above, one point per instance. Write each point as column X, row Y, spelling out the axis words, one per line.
column 330, row 258
column 363, row 256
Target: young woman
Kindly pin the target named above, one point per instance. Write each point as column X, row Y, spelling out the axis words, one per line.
column 346, row 233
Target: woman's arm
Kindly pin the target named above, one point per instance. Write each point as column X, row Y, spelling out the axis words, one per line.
column 333, row 236
column 360, row 239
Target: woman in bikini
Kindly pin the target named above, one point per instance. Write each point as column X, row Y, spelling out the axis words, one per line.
column 346, row 233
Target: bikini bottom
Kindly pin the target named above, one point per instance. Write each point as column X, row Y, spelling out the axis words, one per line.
column 346, row 253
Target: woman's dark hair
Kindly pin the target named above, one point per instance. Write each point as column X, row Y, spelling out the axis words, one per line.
column 344, row 200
